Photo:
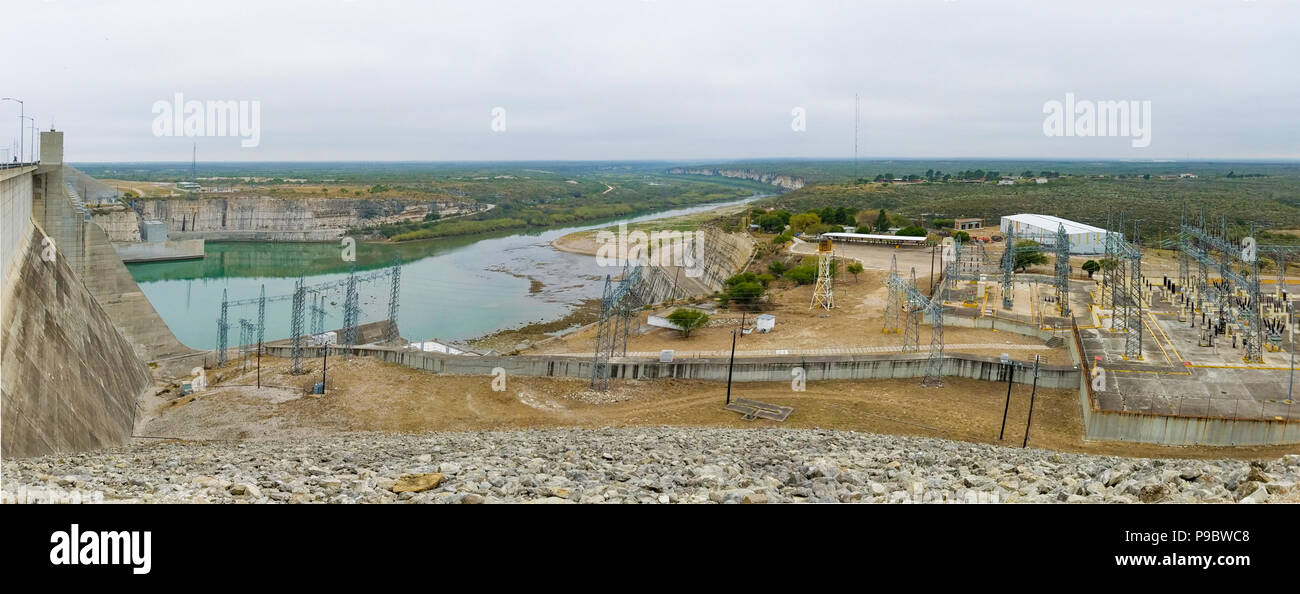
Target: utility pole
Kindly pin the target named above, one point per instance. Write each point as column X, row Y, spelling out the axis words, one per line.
column 731, row 363
column 324, row 363
column 1010, row 371
column 1034, row 392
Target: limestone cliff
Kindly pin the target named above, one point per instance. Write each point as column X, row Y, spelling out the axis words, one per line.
column 782, row 180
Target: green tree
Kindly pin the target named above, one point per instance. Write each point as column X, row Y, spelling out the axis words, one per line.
column 800, row 222
column 1091, row 266
column 770, row 223
column 803, row 274
column 882, row 221
column 777, row 267
column 961, row 236
column 1028, row 254
column 854, row 268
column 687, row 320
column 912, row 231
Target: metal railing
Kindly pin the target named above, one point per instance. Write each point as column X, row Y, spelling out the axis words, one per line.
column 19, row 165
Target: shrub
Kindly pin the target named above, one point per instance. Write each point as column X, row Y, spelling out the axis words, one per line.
column 687, row 320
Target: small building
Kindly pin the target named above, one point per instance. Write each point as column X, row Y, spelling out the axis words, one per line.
column 765, row 323
column 1040, row 180
column 967, row 224
column 1006, row 182
column 153, row 231
column 436, row 346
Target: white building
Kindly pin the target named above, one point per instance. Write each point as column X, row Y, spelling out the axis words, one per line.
column 1084, row 239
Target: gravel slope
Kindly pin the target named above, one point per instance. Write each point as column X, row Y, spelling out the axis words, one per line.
column 646, row 465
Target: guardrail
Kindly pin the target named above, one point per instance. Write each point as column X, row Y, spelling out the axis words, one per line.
column 19, row 165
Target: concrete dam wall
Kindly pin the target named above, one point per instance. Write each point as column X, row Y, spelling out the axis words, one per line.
column 70, row 379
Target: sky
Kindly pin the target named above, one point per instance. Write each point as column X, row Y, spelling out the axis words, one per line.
column 702, row 80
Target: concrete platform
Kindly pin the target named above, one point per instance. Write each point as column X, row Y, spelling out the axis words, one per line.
column 1178, row 376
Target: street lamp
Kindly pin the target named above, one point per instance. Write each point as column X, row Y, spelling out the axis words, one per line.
column 22, row 111
column 31, row 145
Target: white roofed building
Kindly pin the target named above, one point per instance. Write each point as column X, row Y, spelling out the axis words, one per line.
column 1084, row 239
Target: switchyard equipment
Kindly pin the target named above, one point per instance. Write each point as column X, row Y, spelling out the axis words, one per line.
column 917, row 304
column 1060, row 242
column 1234, row 298
column 298, row 298
column 1122, row 287
column 967, row 261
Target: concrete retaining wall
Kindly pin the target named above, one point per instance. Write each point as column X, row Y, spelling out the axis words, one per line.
column 750, row 369
column 1167, row 429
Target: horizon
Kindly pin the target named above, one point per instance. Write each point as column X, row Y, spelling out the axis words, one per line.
column 648, row 81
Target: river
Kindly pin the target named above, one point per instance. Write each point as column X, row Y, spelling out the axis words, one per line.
column 452, row 289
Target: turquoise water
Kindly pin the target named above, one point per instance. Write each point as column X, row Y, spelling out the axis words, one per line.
column 451, row 289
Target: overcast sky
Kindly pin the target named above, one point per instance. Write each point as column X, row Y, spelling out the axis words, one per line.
column 655, row 79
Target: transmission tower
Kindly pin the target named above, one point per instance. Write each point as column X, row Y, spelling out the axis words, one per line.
column 912, row 326
column 392, row 335
column 1008, row 270
column 247, row 332
column 824, row 290
column 295, row 330
column 261, row 317
column 350, row 310
column 894, row 308
column 223, row 326
column 317, row 313
column 1062, row 280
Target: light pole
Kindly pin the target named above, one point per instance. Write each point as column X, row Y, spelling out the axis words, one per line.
column 22, row 111
column 31, row 146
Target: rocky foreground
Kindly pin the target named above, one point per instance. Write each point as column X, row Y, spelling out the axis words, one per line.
column 658, row 465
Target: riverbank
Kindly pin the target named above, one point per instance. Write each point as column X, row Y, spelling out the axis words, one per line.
column 528, row 336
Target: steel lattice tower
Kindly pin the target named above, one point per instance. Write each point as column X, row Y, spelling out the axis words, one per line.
column 350, row 310
column 894, row 308
column 223, row 327
column 261, row 318
column 247, row 331
column 392, row 335
column 824, row 291
column 1062, row 249
column 1008, row 270
column 934, row 364
column 295, row 327
column 317, row 313
column 604, row 340
column 912, row 326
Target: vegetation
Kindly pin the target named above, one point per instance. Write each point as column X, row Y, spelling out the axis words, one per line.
column 1028, row 253
column 1271, row 201
column 745, row 289
column 855, row 269
column 688, row 320
column 1091, row 266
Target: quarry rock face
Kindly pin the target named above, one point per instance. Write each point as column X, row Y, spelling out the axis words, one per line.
column 638, row 465
column 255, row 217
